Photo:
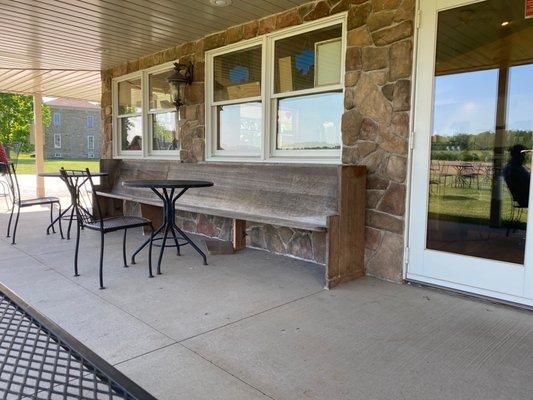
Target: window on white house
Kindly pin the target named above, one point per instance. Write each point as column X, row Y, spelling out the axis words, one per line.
column 146, row 122
column 58, row 155
column 90, row 121
column 279, row 96
column 56, row 119
column 57, row 140
column 90, row 155
column 90, row 142
column 129, row 116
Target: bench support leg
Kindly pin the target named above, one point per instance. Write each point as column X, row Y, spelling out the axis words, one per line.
column 239, row 234
column 346, row 231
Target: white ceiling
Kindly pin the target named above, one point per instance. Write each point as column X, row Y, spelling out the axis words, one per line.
column 58, row 47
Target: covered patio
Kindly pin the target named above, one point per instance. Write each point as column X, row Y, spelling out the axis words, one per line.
column 233, row 330
column 259, row 323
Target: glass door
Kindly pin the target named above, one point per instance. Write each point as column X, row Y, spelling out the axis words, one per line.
column 472, row 148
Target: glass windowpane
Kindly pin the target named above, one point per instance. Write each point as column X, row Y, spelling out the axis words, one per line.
column 164, row 132
column 129, row 96
column 479, row 176
column 237, row 75
column 131, row 133
column 309, row 122
column 308, row 60
column 240, row 127
column 159, row 88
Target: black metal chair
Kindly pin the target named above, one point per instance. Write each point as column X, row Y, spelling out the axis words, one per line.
column 77, row 180
column 19, row 203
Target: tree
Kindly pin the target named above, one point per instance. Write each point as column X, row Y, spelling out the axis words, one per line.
column 16, row 116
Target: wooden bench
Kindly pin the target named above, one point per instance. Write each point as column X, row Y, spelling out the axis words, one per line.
column 326, row 198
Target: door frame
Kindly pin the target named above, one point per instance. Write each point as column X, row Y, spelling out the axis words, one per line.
column 518, row 287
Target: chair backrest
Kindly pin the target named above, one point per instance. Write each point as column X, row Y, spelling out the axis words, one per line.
column 79, row 182
column 12, row 181
column 13, row 152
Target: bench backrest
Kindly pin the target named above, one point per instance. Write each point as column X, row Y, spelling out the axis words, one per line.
column 290, row 190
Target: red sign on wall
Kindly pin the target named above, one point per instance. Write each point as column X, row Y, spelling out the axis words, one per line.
column 529, row 8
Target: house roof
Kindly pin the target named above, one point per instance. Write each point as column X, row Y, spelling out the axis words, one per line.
column 71, row 103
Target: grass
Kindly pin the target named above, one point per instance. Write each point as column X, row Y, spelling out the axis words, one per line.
column 468, row 204
column 26, row 164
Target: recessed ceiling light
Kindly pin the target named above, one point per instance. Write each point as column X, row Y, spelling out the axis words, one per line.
column 220, row 3
column 505, row 23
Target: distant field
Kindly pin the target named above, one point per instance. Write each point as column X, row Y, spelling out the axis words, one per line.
column 26, row 164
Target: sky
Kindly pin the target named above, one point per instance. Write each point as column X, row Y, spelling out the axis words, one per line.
column 466, row 102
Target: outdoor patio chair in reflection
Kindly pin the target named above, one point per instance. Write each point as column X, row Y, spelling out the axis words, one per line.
column 466, row 174
column 80, row 180
column 18, row 203
column 517, row 179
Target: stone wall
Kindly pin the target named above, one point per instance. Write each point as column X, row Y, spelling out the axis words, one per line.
column 375, row 123
column 74, row 131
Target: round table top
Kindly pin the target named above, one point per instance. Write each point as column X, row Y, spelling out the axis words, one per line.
column 58, row 174
column 166, row 184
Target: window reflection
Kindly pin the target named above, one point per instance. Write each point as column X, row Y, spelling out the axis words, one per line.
column 240, row 127
column 309, row 122
column 482, row 132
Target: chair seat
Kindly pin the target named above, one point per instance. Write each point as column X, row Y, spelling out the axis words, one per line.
column 117, row 223
column 38, row 201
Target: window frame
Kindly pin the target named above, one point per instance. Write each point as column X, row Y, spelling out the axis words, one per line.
column 58, row 135
column 147, row 150
column 90, row 144
column 89, row 118
column 58, row 115
column 269, row 99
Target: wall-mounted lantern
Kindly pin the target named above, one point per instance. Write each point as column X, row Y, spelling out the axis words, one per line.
column 180, row 78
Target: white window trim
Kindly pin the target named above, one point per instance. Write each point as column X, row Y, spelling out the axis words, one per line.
column 147, row 143
column 58, row 135
column 268, row 153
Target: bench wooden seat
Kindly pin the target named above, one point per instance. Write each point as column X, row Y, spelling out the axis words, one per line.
column 300, row 196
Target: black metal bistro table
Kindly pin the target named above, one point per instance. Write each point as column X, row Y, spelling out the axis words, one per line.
column 74, row 196
column 169, row 191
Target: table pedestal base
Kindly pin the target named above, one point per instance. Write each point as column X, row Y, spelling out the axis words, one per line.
column 169, row 229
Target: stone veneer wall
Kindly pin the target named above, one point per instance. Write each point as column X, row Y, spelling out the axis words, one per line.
column 375, row 124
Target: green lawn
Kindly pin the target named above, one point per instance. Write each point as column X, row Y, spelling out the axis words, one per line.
column 26, row 164
column 468, row 204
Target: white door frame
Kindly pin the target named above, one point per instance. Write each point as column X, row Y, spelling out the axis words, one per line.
column 501, row 280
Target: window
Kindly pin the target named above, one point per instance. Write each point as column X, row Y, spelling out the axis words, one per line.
column 56, row 119
column 57, row 155
column 90, row 121
column 90, row 142
column 278, row 97
column 146, row 121
column 90, row 155
column 57, row 140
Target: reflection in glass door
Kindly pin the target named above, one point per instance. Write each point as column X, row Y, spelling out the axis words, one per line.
column 482, row 132
column 471, row 172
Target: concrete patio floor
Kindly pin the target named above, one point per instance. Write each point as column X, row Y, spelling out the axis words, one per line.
column 258, row 326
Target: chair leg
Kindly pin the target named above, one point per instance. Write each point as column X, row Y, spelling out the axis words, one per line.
column 51, row 218
column 124, row 249
column 59, row 220
column 101, row 270
column 78, row 232
column 16, row 225
column 10, row 218
column 150, row 252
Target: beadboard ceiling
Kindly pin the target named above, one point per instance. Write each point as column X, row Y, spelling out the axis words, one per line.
column 58, row 47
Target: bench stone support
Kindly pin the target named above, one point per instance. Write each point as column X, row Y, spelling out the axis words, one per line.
column 239, row 234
